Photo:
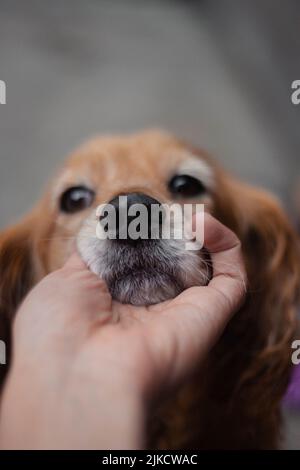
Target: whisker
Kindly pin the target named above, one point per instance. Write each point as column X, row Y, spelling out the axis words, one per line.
column 220, row 264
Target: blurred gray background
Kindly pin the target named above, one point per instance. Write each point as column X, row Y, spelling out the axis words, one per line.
column 217, row 72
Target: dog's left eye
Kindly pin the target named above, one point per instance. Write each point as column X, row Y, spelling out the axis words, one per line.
column 186, row 186
column 76, row 199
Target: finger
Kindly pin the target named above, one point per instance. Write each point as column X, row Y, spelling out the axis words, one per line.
column 226, row 289
column 229, row 276
column 75, row 262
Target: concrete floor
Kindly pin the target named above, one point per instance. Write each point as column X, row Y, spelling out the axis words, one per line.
column 217, row 73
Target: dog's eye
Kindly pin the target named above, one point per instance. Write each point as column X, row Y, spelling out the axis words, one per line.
column 186, row 186
column 76, row 199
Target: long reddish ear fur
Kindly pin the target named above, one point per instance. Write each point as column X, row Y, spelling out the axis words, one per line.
column 256, row 347
column 16, row 275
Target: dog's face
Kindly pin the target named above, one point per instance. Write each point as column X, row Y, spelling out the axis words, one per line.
column 149, row 167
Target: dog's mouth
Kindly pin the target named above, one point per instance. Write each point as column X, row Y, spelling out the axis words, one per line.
column 145, row 273
column 141, row 274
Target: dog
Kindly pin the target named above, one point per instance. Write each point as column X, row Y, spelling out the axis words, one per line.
column 233, row 400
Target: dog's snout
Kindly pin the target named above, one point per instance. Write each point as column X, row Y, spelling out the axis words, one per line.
column 142, row 211
column 135, row 198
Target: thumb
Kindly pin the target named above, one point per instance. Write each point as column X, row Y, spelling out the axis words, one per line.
column 229, row 275
column 75, row 262
column 192, row 322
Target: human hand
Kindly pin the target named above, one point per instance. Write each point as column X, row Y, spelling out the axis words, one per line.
column 84, row 365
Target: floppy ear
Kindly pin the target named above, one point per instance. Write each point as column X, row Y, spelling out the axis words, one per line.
column 266, row 325
column 16, row 273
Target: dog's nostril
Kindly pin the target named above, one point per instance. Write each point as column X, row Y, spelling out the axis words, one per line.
column 132, row 217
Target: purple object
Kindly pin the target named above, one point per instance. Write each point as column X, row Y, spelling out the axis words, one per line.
column 292, row 396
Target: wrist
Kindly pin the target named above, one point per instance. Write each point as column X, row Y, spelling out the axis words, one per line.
column 81, row 412
column 123, row 415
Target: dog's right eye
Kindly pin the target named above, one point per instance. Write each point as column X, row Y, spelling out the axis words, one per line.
column 76, row 199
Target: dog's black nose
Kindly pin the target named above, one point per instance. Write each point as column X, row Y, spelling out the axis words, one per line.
column 132, row 217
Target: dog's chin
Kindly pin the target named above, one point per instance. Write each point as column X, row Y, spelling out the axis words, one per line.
column 140, row 287
column 146, row 274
